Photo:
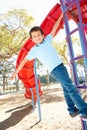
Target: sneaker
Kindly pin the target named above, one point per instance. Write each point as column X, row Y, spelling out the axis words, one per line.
column 74, row 114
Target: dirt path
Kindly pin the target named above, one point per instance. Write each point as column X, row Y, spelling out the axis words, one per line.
column 16, row 113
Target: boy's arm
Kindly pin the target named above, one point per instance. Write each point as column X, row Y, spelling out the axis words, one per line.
column 19, row 68
column 56, row 25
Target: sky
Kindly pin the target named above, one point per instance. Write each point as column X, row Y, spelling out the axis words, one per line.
column 37, row 8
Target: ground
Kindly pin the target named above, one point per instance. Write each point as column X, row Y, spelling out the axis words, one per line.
column 16, row 112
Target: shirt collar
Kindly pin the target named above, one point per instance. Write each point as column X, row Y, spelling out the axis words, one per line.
column 39, row 44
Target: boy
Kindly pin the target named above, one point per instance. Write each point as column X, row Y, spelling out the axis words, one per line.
column 44, row 51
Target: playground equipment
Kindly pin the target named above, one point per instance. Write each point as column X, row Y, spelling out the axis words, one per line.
column 78, row 11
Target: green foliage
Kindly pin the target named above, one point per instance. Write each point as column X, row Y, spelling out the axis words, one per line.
column 13, row 31
column 14, row 26
column 62, row 50
column 43, row 79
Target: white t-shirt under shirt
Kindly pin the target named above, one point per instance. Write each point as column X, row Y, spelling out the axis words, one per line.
column 45, row 53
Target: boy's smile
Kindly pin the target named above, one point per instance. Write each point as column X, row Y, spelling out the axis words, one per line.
column 37, row 37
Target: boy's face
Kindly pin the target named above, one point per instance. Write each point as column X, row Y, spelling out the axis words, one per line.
column 37, row 37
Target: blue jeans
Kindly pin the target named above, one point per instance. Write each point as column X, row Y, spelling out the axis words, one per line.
column 71, row 94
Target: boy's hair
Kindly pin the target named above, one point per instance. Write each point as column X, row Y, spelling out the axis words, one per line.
column 35, row 28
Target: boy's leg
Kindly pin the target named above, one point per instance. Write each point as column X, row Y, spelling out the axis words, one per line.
column 73, row 110
column 61, row 74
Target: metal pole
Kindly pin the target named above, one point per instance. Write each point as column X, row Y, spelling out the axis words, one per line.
column 37, row 91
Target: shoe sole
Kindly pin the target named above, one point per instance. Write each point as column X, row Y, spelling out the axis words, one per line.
column 74, row 115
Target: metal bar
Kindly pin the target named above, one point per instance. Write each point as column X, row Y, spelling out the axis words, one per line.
column 69, row 43
column 37, row 91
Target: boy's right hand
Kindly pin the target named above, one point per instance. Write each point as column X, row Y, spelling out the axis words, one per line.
column 13, row 75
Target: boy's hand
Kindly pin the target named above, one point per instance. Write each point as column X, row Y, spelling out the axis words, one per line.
column 13, row 76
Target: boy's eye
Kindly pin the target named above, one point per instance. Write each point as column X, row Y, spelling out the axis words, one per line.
column 34, row 36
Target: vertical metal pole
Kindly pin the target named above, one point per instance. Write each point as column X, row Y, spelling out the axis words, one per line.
column 82, row 33
column 84, row 47
column 37, row 91
column 69, row 43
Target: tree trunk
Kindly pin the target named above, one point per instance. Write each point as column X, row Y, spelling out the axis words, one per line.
column 48, row 78
column 3, row 82
column 17, row 84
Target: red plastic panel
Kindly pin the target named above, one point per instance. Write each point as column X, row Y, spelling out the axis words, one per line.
column 74, row 12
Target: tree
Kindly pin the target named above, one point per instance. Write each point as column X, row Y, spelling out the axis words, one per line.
column 14, row 26
column 62, row 49
column 13, row 31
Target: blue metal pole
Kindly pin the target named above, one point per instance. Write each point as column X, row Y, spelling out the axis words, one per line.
column 84, row 47
column 69, row 42
column 82, row 33
column 37, row 91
